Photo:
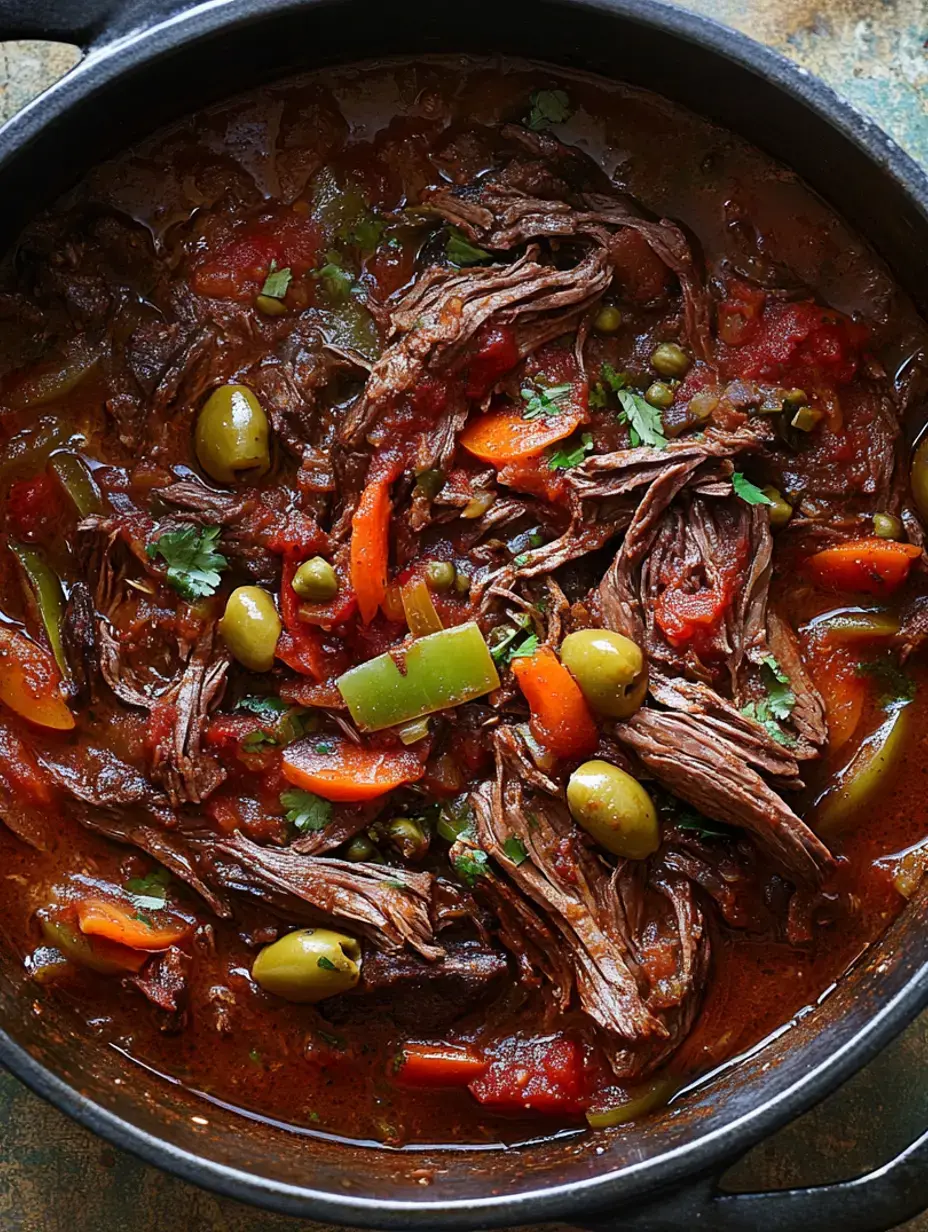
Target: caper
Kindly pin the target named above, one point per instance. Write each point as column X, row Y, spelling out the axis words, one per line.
column 608, row 320
column 780, row 510
column 409, row 836
column 440, row 575
column 919, row 477
column 887, row 526
column 231, row 435
column 668, row 359
column 315, row 580
column 309, row 965
column 360, row 848
column 250, row 627
column 614, row 809
column 609, row 668
column 659, row 394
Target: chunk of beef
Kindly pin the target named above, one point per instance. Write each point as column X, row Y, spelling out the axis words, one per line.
column 164, row 981
column 542, row 957
column 425, row 996
column 808, row 714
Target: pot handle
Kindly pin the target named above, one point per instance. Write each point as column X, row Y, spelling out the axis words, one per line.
column 880, row 1200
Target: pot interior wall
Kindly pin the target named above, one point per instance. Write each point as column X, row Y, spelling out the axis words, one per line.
column 227, row 61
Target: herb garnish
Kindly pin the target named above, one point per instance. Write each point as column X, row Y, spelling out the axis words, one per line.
column 548, row 107
column 514, row 641
column 460, row 251
column 336, row 280
column 697, row 824
column 645, row 426
column 325, row 963
column 544, row 402
column 566, row 458
column 471, row 864
column 193, row 563
column 364, row 234
column 264, row 707
column 610, row 381
column 149, row 893
column 277, row 281
column 514, row 849
column 748, row 491
column 306, row 812
column 777, row 706
column 894, row 686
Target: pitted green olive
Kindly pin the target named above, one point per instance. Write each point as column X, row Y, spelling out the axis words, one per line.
column 316, row 580
column 614, row 809
column 231, row 435
column 250, row 627
column 309, row 965
column 609, row 668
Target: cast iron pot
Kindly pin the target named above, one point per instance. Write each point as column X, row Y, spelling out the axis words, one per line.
column 147, row 62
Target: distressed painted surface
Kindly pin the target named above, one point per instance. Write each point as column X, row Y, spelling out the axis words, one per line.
column 55, row 1177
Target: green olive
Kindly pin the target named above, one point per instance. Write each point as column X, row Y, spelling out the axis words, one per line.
column 668, row 359
column 887, row 526
column 232, row 435
column 439, row 574
column 250, row 627
column 919, row 477
column 609, row 668
column 614, row 809
column 309, row 965
column 360, row 848
column 659, row 394
column 608, row 320
column 315, row 580
column 780, row 511
column 409, row 836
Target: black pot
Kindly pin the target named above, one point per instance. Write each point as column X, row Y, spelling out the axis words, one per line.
column 149, row 61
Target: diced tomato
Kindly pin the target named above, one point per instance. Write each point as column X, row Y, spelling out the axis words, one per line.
column 238, row 270
column 495, row 353
column 161, row 720
column 536, row 1075
column 35, row 508
column 641, row 274
column 20, row 770
column 535, row 476
column 691, row 615
column 430, row 397
column 438, row 1065
column 302, row 650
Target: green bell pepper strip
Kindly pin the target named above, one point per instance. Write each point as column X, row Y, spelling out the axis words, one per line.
column 74, row 476
column 441, row 670
column 46, row 592
column 863, row 775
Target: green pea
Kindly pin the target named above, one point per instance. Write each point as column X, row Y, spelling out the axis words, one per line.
column 668, row 359
column 309, row 965
column 360, row 848
column 614, row 809
column 231, row 436
column 316, row 580
column 250, row 627
column 659, row 394
column 608, row 320
column 461, row 583
column 440, row 575
column 609, row 668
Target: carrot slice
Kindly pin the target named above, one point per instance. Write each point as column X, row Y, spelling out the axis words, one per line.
column 370, row 547
column 344, row 771
column 438, row 1065
column 561, row 719
column 30, row 683
column 505, row 435
column 869, row 566
column 98, row 918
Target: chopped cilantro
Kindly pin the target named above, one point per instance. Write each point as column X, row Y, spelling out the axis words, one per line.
column 471, row 864
column 325, row 963
column 748, row 491
column 644, row 420
column 258, row 739
column 263, row 707
column 306, row 812
column 365, row 233
column 544, row 403
column 456, row 820
column 460, row 251
column 193, row 563
column 335, row 279
column 777, row 706
column 613, row 379
column 324, row 746
column 277, row 281
column 525, row 649
column 894, row 686
column 548, row 107
column 254, row 1056
column 520, row 560
column 505, row 642
column 564, row 459
column 149, row 893
column 514, row 849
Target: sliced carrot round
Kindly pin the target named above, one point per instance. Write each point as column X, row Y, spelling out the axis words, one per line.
column 505, row 435
column 344, row 771
column 137, row 930
column 868, row 566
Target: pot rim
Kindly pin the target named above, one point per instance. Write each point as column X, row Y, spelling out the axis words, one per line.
column 103, row 64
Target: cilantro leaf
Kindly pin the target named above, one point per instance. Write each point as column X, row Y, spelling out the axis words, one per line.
column 613, row 379
column 193, row 563
column 460, row 251
column 749, row 492
column 325, row 963
column 471, row 864
column 277, row 281
column 525, row 649
column 514, row 849
column 505, row 643
column 781, row 698
column 597, row 396
column 149, row 893
column 564, row 459
column 893, row 685
column 306, row 812
column 336, row 280
column 548, row 107
column 760, row 713
column 644, row 420
column 365, row 233
column 264, row 707
column 546, row 402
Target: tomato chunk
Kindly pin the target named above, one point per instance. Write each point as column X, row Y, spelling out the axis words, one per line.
column 537, row 1075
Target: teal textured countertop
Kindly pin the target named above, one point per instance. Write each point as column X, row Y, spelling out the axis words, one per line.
column 55, row 1177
